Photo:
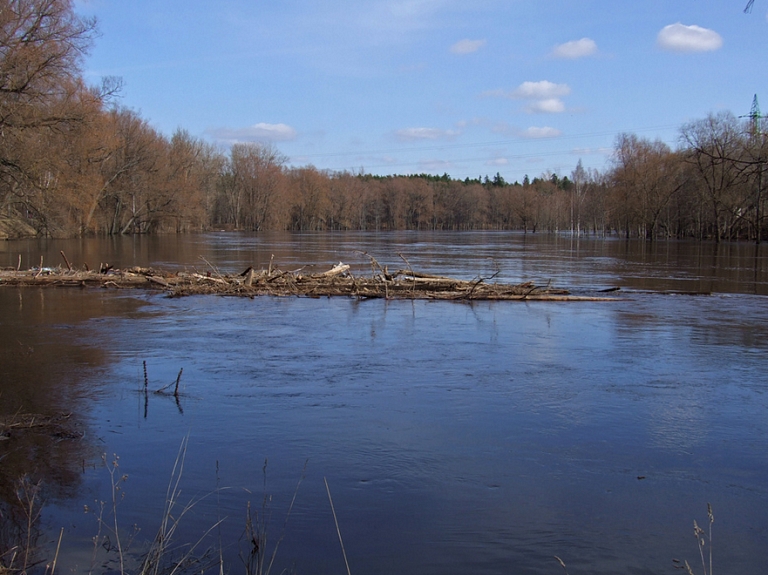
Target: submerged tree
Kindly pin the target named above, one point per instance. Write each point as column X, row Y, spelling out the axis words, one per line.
column 715, row 147
column 646, row 177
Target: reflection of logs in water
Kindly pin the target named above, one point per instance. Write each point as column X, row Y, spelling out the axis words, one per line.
column 56, row 426
column 337, row 281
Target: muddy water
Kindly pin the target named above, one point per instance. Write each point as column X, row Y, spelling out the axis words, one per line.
column 455, row 438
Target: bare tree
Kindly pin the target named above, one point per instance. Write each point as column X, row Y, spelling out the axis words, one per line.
column 41, row 46
column 713, row 147
column 647, row 175
column 256, row 191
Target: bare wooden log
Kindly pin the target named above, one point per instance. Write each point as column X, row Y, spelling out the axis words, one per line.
column 336, row 270
column 159, row 281
column 66, row 261
column 420, row 275
column 210, row 279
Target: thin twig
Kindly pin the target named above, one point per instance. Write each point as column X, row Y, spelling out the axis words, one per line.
column 287, row 515
column 56, row 555
column 213, row 267
column 410, row 269
column 711, row 521
column 178, row 379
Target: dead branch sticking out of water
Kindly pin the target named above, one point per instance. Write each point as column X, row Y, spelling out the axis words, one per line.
column 337, row 281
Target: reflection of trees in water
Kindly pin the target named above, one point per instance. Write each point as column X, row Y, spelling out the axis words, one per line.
column 49, row 373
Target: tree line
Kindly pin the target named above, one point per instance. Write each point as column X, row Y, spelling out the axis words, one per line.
column 74, row 163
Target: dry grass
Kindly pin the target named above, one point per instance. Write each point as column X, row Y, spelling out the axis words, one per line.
column 704, row 544
column 112, row 545
column 257, row 528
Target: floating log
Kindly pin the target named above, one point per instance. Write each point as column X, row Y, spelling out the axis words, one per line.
column 337, row 281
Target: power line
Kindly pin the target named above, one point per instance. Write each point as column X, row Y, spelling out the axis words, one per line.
column 505, row 142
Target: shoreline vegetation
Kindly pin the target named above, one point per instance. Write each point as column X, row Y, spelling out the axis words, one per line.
column 339, row 280
column 123, row 551
column 75, row 163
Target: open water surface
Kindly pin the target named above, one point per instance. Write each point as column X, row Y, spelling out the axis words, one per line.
column 482, row 437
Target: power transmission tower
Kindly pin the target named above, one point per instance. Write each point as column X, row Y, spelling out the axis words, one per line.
column 759, row 164
column 755, row 116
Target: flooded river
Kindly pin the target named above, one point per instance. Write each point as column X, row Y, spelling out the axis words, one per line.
column 454, row 437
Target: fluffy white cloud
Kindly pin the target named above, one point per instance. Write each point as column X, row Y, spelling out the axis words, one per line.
column 544, row 96
column 435, row 165
column 542, row 90
column 543, row 132
column 575, row 49
column 260, row 132
column 414, row 134
column 681, row 38
column 467, row 46
column 497, row 162
column 533, row 132
column 548, row 106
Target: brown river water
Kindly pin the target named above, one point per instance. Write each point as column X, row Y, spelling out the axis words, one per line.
column 455, row 438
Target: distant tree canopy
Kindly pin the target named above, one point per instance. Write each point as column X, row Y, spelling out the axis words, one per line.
column 72, row 163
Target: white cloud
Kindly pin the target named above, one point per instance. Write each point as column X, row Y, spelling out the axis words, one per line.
column 467, row 46
column 502, row 128
column 532, row 132
column 414, row 134
column 497, row 93
column 544, row 96
column 548, row 106
column 681, row 38
column 260, row 132
column 382, row 21
column 435, row 165
column 575, row 49
column 497, row 162
column 540, row 90
column 543, row 132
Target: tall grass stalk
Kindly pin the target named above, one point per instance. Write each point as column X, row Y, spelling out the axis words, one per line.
column 157, row 560
column 108, row 534
column 256, row 528
column 703, row 539
column 336, row 521
column 28, row 494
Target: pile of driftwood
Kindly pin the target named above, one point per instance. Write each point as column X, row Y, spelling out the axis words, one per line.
column 337, row 281
column 56, row 426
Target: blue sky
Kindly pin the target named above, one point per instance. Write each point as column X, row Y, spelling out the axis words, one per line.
column 409, row 86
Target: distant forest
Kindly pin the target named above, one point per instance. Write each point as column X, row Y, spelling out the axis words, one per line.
column 75, row 163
